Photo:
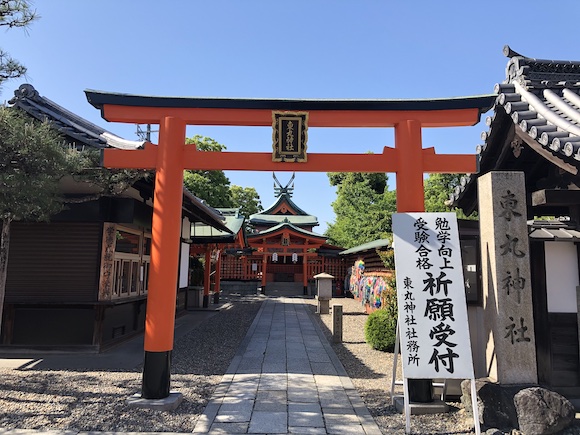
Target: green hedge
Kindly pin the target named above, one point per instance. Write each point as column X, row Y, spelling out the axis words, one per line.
column 380, row 330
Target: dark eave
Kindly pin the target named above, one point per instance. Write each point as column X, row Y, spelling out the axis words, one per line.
column 100, row 98
column 200, row 212
column 77, row 129
column 538, row 106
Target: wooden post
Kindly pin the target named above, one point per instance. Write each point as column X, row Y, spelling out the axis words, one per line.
column 264, row 271
column 206, row 277
column 218, row 274
column 305, row 274
column 166, row 232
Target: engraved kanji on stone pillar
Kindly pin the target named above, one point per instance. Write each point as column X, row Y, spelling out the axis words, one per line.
column 507, row 285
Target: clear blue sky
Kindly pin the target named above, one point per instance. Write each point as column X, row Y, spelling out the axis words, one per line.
column 276, row 49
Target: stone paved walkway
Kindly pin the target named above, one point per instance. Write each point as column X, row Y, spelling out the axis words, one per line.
column 285, row 378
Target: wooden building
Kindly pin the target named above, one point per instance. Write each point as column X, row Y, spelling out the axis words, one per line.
column 535, row 129
column 286, row 253
column 80, row 281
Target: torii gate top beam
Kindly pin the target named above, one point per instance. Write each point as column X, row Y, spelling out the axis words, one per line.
column 144, row 109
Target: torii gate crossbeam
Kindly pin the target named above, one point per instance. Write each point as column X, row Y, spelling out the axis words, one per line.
column 408, row 160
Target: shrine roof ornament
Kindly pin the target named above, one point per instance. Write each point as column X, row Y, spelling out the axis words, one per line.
column 283, row 190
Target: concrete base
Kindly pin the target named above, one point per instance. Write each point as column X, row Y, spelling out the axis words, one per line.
column 169, row 403
column 435, row 407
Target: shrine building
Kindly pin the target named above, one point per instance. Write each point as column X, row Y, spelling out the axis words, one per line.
column 284, row 252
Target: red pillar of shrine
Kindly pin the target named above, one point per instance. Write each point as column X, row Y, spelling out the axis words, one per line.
column 305, row 274
column 218, row 277
column 166, row 232
column 264, row 271
column 410, row 192
column 206, row 277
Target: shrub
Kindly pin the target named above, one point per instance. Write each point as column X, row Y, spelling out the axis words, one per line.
column 380, row 330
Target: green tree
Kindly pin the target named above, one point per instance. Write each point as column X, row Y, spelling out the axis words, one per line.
column 438, row 187
column 32, row 161
column 363, row 208
column 211, row 186
column 13, row 13
column 247, row 199
column 214, row 187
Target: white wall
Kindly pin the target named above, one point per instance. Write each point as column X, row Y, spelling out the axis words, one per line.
column 184, row 266
column 561, row 276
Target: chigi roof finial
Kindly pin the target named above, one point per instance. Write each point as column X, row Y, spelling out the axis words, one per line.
column 279, row 189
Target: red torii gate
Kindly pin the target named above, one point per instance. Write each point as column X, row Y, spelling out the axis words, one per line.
column 408, row 160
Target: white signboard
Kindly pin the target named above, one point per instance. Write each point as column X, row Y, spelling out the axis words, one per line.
column 431, row 297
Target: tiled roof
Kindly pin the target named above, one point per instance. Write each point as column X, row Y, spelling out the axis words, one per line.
column 300, row 218
column 541, row 98
column 204, row 233
column 284, row 197
column 553, row 231
column 287, row 225
column 78, row 129
column 277, row 218
column 375, row 244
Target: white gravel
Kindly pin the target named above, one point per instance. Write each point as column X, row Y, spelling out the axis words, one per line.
column 95, row 400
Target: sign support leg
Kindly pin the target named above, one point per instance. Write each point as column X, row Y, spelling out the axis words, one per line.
column 475, row 408
column 395, row 359
column 407, row 405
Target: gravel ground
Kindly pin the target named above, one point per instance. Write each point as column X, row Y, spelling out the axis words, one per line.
column 93, row 400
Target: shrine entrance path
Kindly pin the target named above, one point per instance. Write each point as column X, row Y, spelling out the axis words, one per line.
column 285, row 378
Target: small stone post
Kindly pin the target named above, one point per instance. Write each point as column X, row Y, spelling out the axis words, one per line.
column 337, row 323
column 507, row 284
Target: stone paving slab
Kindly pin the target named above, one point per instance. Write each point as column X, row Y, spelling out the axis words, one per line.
column 286, row 378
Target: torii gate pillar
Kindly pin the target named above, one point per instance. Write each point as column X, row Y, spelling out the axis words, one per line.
column 166, row 228
column 410, row 194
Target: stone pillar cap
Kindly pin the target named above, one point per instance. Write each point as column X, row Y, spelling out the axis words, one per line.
column 323, row 275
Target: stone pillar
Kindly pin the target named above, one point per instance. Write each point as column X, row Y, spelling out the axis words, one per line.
column 507, row 284
column 337, row 323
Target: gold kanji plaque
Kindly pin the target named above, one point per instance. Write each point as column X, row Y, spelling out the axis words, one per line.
column 289, row 136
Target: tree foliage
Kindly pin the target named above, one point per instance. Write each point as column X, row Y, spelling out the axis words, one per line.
column 214, row 187
column 247, row 199
column 438, row 187
column 211, row 186
column 363, row 208
column 108, row 182
column 14, row 13
column 32, row 161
